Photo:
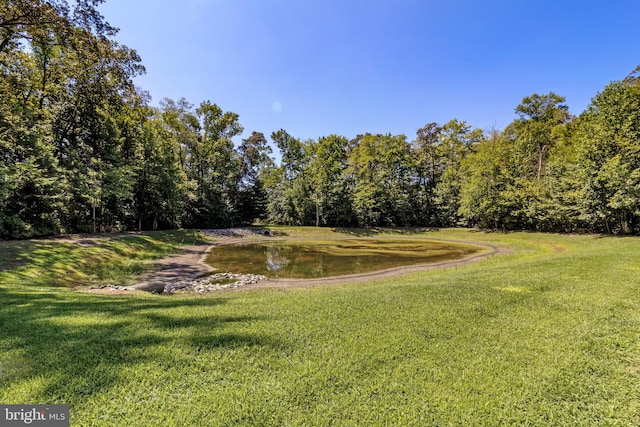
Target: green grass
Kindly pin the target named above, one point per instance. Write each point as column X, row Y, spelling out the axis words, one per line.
column 79, row 261
column 548, row 334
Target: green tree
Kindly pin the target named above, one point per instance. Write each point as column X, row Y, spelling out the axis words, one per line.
column 380, row 168
column 213, row 165
column 255, row 153
column 456, row 141
column 90, row 136
column 608, row 144
column 330, row 189
column 485, row 200
column 292, row 152
column 288, row 186
column 536, row 129
column 66, row 82
column 540, row 125
column 162, row 188
column 31, row 19
column 428, row 171
column 31, row 192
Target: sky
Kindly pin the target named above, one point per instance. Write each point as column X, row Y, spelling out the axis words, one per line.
column 348, row 67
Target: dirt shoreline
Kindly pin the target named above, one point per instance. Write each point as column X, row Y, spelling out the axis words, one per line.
column 190, row 264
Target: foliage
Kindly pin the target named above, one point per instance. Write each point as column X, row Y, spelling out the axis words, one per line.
column 379, row 166
column 81, row 150
column 162, row 187
column 61, row 122
column 486, row 194
column 288, row 186
column 330, row 187
column 608, row 144
column 456, row 141
column 256, row 161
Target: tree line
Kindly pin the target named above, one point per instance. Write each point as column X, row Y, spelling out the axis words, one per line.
column 82, row 150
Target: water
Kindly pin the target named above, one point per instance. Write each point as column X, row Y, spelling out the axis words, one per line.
column 312, row 259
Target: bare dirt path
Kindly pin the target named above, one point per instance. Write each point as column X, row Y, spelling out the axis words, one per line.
column 189, row 264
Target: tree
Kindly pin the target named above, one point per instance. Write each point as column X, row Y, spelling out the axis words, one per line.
column 380, row 169
column 66, row 87
column 456, row 141
column 31, row 19
column 31, row 192
column 634, row 77
column 288, row 186
column 255, row 153
column 428, row 170
column 608, row 144
column 330, row 190
column 485, row 197
column 90, row 132
column 213, row 165
column 291, row 151
column 539, row 118
column 162, row 188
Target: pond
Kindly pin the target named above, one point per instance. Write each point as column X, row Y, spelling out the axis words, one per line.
column 302, row 259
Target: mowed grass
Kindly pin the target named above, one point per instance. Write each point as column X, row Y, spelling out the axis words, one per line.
column 82, row 261
column 548, row 334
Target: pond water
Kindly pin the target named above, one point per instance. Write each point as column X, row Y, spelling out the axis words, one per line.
column 313, row 259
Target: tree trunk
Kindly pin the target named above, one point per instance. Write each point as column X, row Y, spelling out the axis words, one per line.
column 540, row 156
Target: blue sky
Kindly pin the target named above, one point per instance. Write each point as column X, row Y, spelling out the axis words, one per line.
column 347, row 67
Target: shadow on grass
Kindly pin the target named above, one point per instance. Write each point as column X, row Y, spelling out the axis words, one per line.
column 375, row 231
column 84, row 262
column 10, row 254
column 41, row 263
column 76, row 345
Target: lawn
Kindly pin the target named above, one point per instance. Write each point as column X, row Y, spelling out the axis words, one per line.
column 548, row 334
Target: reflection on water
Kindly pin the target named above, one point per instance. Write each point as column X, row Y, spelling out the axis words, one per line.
column 276, row 259
column 305, row 259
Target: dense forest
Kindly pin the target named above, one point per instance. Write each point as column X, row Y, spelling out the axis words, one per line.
column 83, row 150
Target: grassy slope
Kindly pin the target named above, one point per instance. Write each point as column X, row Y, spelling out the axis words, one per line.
column 536, row 337
column 79, row 261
